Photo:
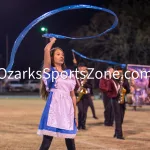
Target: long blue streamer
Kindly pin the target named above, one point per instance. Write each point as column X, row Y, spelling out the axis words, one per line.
column 47, row 35
column 50, row 13
column 99, row 60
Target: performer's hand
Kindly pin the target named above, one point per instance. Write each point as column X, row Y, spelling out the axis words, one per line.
column 52, row 40
column 74, row 61
column 76, row 122
column 85, row 70
column 49, row 45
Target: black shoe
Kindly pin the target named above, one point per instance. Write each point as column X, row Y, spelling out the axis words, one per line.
column 95, row 117
column 120, row 138
column 79, row 127
column 114, row 135
column 84, row 128
column 108, row 125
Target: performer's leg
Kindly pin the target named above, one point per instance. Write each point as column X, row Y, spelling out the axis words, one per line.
column 80, row 113
column 111, row 120
column 85, row 108
column 117, row 117
column 47, row 140
column 107, row 110
column 110, row 113
column 136, row 101
column 122, row 111
column 91, row 104
column 70, row 143
column 104, row 97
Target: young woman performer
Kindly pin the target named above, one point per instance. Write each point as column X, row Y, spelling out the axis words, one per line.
column 57, row 86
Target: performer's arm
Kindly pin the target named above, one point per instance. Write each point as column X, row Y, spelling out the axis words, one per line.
column 103, row 85
column 74, row 101
column 74, row 104
column 47, row 58
column 91, row 92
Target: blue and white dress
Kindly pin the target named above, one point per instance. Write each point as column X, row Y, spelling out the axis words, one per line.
column 58, row 115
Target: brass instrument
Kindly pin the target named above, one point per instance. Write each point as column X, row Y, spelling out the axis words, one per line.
column 81, row 91
column 122, row 92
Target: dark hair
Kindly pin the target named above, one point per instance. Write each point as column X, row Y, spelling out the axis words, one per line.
column 52, row 57
column 81, row 64
column 43, row 91
column 118, row 68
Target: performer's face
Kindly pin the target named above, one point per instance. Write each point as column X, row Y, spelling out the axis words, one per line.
column 111, row 70
column 82, row 68
column 58, row 57
column 119, row 74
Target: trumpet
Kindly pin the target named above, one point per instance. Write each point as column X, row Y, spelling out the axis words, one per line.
column 81, row 91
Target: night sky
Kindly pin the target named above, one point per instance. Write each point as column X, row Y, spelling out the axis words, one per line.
column 15, row 15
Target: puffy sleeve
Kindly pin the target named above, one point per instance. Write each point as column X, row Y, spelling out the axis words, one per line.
column 48, row 79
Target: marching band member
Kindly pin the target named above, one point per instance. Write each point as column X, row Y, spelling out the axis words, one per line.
column 118, row 88
column 86, row 99
column 108, row 112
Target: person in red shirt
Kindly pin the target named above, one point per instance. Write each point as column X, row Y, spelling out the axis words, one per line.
column 104, row 88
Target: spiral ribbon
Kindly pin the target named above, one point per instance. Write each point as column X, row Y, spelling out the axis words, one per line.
column 50, row 13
